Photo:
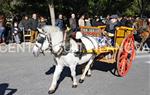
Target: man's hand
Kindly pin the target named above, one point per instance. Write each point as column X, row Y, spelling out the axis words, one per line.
column 108, row 34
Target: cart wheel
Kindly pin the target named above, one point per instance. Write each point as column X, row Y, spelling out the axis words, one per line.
column 125, row 55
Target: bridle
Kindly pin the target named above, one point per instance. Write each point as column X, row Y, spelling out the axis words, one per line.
column 46, row 36
column 41, row 41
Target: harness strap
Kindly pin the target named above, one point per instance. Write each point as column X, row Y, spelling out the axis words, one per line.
column 58, row 54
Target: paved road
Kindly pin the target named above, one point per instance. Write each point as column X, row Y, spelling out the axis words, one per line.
column 22, row 74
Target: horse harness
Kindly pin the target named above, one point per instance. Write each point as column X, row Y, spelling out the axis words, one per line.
column 64, row 49
column 41, row 41
column 82, row 48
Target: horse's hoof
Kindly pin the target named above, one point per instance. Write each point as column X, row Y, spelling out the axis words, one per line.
column 88, row 75
column 81, row 81
column 74, row 86
column 51, row 91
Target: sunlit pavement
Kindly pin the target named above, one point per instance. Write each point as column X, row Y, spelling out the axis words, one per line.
column 23, row 74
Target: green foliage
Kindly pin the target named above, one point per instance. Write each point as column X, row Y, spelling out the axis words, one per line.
column 93, row 7
column 10, row 6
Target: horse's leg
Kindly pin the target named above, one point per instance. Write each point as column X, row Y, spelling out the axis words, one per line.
column 73, row 74
column 56, row 76
column 142, row 43
column 89, row 72
column 144, row 37
column 87, row 67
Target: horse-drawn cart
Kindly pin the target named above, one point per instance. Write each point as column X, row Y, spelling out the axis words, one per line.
column 121, row 53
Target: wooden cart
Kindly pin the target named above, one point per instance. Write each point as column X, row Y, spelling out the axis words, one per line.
column 123, row 51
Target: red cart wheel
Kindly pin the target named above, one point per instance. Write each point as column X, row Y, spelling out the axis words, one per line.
column 125, row 55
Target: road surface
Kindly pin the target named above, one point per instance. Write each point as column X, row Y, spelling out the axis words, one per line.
column 23, row 74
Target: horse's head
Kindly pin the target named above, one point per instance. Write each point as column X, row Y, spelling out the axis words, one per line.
column 49, row 37
column 42, row 43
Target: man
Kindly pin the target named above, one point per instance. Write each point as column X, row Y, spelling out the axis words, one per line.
column 33, row 27
column 60, row 23
column 111, row 27
column 112, row 24
column 24, row 26
column 2, row 28
column 24, row 23
column 15, row 31
column 81, row 21
column 42, row 22
column 73, row 23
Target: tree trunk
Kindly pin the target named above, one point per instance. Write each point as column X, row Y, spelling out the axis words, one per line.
column 52, row 13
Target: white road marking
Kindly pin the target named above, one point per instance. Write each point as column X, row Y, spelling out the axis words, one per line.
column 147, row 56
column 148, row 62
column 142, row 56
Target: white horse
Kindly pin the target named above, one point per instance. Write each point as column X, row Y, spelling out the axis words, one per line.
column 52, row 37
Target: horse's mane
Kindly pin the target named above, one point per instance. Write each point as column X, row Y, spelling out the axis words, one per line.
column 54, row 33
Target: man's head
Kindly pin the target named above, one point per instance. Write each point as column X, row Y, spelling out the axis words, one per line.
column 26, row 17
column 72, row 15
column 34, row 16
column 60, row 16
column 82, row 17
column 42, row 19
column 114, row 18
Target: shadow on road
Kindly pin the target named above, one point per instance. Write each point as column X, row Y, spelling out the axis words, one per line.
column 51, row 70
column 100, row 66
column 4, row 87
column 105, row 67
column 66, row 71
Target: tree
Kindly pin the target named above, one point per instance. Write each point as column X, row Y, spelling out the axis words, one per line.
column 66, row 7
column 99, row 7
column 52, row 12
column 142, row 5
